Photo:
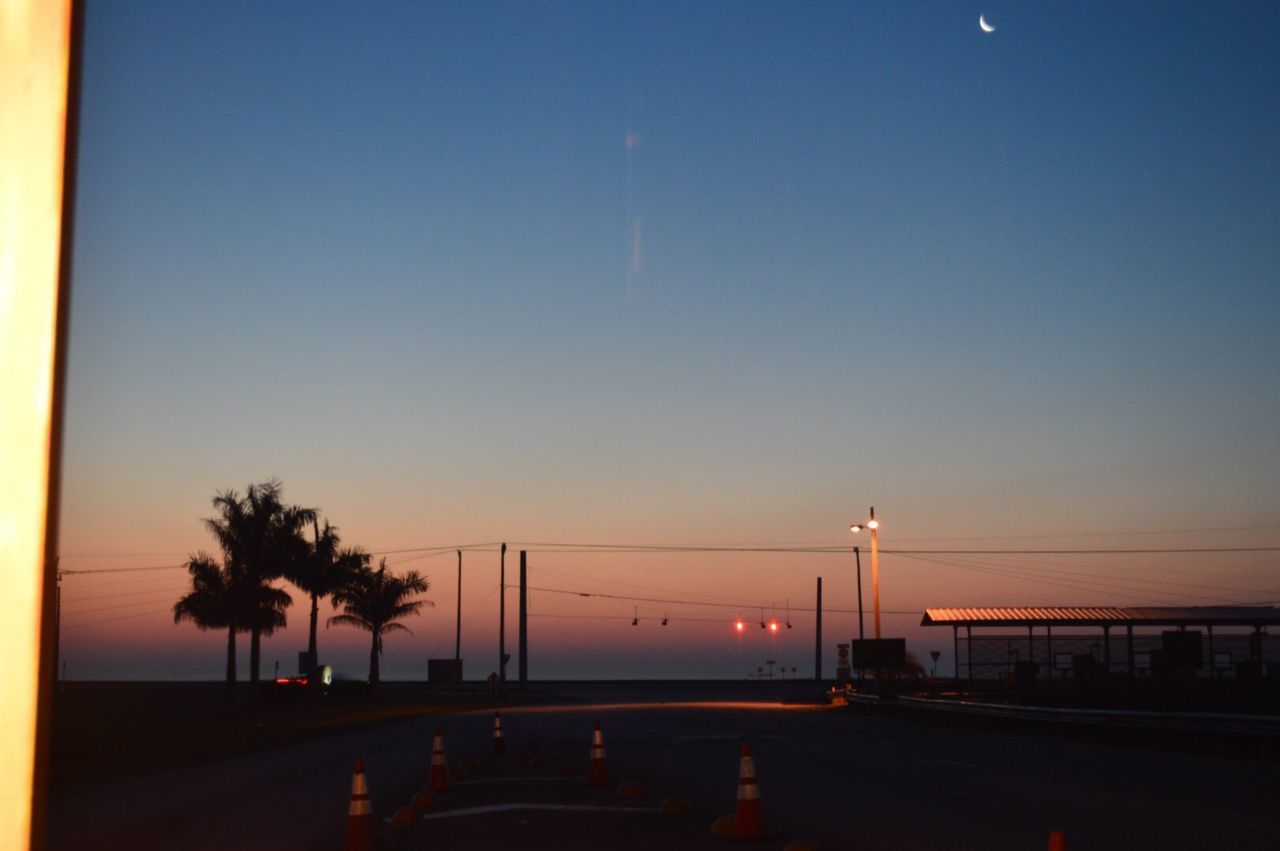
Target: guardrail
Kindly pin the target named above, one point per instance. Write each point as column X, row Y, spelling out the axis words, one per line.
column 1195, row 722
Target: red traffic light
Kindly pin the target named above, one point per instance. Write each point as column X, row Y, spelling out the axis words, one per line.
column 739, row 625
column 773, row 626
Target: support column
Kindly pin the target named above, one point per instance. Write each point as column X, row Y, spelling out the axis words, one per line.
column 1128, row 637
column 1048, row 638
column 955, row 653
column 524, row 623
column 1213, row 671
column 1106, row 648
column 969, row 652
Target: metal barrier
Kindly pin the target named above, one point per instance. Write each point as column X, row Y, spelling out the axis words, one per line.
column 1193, row 722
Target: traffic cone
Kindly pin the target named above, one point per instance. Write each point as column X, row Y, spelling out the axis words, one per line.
column 499, row 743
column 1057, row 841
column 360, row 813
column 439, row 771
column 748, row 818
column 598, row 769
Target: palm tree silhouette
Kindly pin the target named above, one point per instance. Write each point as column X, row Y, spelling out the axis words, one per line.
column 327, row 568
column 375, row 600
column 216, row 601
column 261, row 540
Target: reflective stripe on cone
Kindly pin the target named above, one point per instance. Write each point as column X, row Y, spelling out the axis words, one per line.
column 499, row 743
column 598, row 768
column 439, row 770
column 359, row 813
column 749, row 816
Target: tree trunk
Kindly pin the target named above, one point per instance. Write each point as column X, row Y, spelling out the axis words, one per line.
column 311, row 642
column 373, row 666
column 255, row 656
column 231, row 665
column 315, row 599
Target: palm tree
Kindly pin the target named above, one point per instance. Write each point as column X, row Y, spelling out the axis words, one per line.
column 214, row 602
column 327, row 568
column 375, row 600
column 261, row 538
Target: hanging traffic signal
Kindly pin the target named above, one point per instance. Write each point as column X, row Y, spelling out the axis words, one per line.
column 739, row 625
column 773, row 626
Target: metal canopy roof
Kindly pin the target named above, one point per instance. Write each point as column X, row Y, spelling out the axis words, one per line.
column 1105, row 616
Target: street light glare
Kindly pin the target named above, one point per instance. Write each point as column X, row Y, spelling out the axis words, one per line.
column 873, row 524
column 855, row 528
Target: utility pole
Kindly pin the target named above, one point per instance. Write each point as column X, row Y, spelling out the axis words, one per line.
column 874, row 526
column 524, row 624
column 502, row 614
column 857, row 558
column 457, row 642
column 817, row 642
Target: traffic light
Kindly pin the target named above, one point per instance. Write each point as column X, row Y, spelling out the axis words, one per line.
column 739, row 625
column 773, row 626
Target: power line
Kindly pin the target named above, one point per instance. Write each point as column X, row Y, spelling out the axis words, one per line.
column 167, row 609
column 120, row 605
column 134, row 593
column 1091, row 585
column 1070, row 574
column 124, row 569
column 584, row 548
column 1118, row 551
column 741, row 607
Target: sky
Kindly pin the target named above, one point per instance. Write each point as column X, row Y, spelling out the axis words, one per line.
column 671, row 274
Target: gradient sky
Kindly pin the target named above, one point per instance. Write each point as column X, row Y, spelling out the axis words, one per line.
column 675, row 273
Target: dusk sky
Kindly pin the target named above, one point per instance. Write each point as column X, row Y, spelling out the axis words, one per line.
column 692, row 273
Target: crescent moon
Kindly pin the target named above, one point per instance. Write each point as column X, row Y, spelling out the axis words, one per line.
column 986, row 27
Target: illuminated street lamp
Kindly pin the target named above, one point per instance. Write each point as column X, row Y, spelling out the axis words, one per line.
column 874, row 526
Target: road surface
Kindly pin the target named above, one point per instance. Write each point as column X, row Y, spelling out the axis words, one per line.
column 842, row 779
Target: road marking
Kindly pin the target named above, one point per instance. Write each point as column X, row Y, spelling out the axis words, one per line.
column 941, row 761
column 506, row 808
column 723, row 737
column 752, row 705
column 512, row 780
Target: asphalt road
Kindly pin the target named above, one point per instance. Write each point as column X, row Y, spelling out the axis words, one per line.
column 842, row 779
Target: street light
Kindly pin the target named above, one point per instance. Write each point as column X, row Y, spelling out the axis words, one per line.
column 874, row 526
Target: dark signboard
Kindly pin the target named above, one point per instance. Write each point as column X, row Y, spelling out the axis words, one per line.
column 445, row 671
column 878, row 653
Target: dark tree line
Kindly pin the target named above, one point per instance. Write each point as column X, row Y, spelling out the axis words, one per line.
column 263, row 540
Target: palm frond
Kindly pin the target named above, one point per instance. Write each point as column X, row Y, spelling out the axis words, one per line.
column 347, row 620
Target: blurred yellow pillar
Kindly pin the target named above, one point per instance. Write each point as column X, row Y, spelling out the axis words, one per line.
column 35, row 46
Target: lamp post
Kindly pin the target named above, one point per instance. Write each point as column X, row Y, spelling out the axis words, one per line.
column 874, row 526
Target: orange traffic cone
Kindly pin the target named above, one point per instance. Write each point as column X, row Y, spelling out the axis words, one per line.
column 439, row 771
column 748, row 818
column 1057, row 841
column 598, row 769
column 499, row 743
column 360, row 813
